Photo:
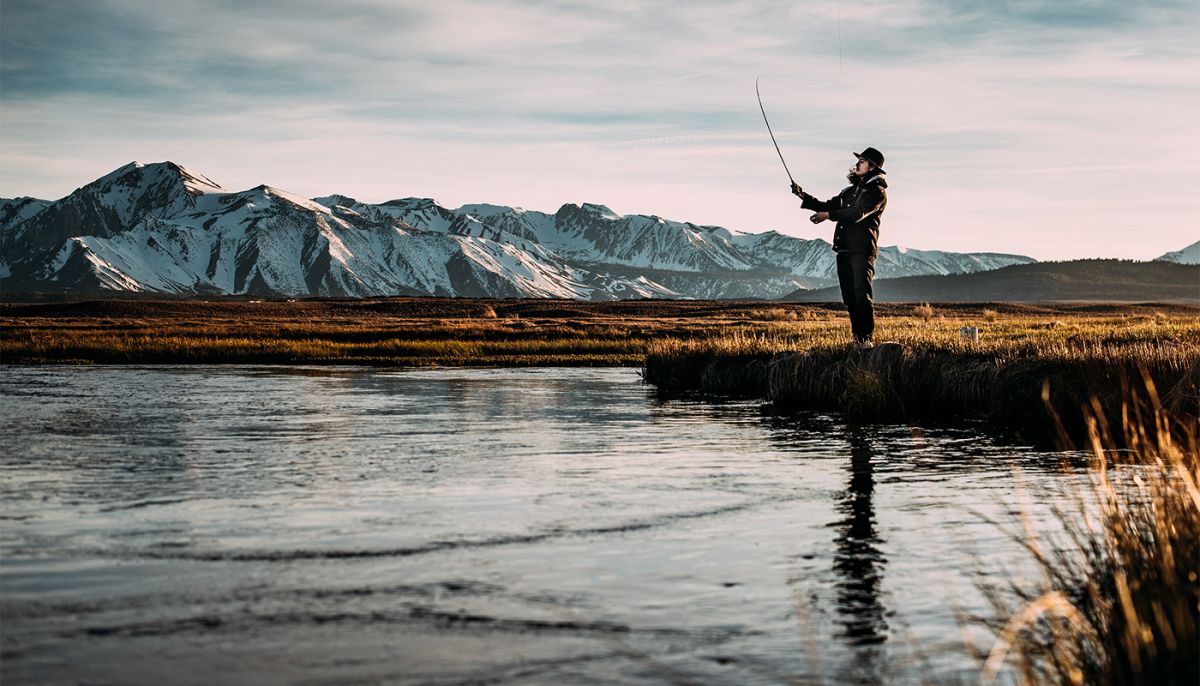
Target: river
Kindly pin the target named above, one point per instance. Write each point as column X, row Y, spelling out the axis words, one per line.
column 544, row 526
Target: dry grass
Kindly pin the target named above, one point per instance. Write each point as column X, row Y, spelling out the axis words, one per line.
column 1047, row 337
column 924, row 311
column 774, row 314
column 412, row 332
column 418, row 331
column 923, row 370
column 1118, row 601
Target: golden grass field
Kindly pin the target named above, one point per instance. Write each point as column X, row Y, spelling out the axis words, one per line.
column 455, row 332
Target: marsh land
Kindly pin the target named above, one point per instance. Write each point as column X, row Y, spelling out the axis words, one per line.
column 471, row 332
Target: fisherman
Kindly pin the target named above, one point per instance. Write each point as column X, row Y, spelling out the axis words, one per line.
column 857, row 211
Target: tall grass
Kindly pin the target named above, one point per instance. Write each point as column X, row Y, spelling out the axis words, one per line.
column 926, row 372
column 1118, row 601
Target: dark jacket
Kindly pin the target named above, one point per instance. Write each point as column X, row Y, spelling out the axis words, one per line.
column 856, row 210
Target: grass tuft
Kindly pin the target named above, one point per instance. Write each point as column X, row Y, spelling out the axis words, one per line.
column 1118, row 601
column 775, row 314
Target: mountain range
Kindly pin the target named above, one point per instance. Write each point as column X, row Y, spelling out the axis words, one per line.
column 164, row 228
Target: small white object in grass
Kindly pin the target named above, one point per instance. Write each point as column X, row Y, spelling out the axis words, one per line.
column 969, row 333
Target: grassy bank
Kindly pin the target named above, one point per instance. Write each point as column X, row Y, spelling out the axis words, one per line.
column 1021, row 364
column 794, row 355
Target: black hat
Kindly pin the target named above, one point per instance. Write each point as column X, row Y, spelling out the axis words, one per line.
column 874, row 157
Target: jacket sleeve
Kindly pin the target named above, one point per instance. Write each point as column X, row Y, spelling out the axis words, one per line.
column 870, row 201
column 808, row 202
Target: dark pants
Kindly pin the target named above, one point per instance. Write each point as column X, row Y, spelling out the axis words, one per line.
column 855, row 271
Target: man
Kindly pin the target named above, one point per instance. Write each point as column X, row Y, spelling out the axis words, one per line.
column 856, row 210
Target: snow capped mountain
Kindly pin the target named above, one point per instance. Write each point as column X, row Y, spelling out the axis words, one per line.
column 1189, row 255
column 895, row 261
column 163, row 228
column 112, row 203
column 160, row 228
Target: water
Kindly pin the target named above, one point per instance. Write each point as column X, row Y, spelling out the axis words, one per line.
column 550, row 526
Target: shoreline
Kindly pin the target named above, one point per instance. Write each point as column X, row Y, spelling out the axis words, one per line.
column 1039, row 398
column 793, row 355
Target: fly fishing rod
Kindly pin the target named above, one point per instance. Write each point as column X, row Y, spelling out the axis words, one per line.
column 764, row 114
column 762, row 109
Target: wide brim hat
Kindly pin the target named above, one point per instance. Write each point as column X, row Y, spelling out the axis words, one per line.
column 874, row 157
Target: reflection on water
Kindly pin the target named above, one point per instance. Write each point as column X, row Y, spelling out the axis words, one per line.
column 475, row 526
column 858, row 558
column 859, row 563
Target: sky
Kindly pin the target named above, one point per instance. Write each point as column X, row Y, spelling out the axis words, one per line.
column 1059, row 130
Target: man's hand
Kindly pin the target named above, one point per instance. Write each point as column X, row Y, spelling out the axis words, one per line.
column 819, row 217
column 796, row 190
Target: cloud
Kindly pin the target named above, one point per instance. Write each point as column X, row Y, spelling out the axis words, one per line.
column 994, row 115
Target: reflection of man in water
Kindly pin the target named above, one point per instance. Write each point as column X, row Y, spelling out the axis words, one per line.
column 857, row 561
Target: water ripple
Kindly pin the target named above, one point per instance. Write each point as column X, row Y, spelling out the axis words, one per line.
column 546, row 525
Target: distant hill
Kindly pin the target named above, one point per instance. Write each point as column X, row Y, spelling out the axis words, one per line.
column 1077, row 280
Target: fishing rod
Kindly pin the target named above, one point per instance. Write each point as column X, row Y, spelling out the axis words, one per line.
column 764, row 114
column 813, row 218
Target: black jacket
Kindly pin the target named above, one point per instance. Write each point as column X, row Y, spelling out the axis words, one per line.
column 856, row 210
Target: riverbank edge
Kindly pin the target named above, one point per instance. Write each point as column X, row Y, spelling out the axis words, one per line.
column 1038, row 399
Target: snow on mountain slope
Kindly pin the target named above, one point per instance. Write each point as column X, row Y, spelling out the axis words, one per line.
column 1188, row 255
column 163, row 228
column 535, row 226
column 597, row 234
column 203, row 239
column 138, row 190
column 812, row 259
column 110, row 204
column 420, row 213
column 896, row 261
column 589, row 234
column 14, row 211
